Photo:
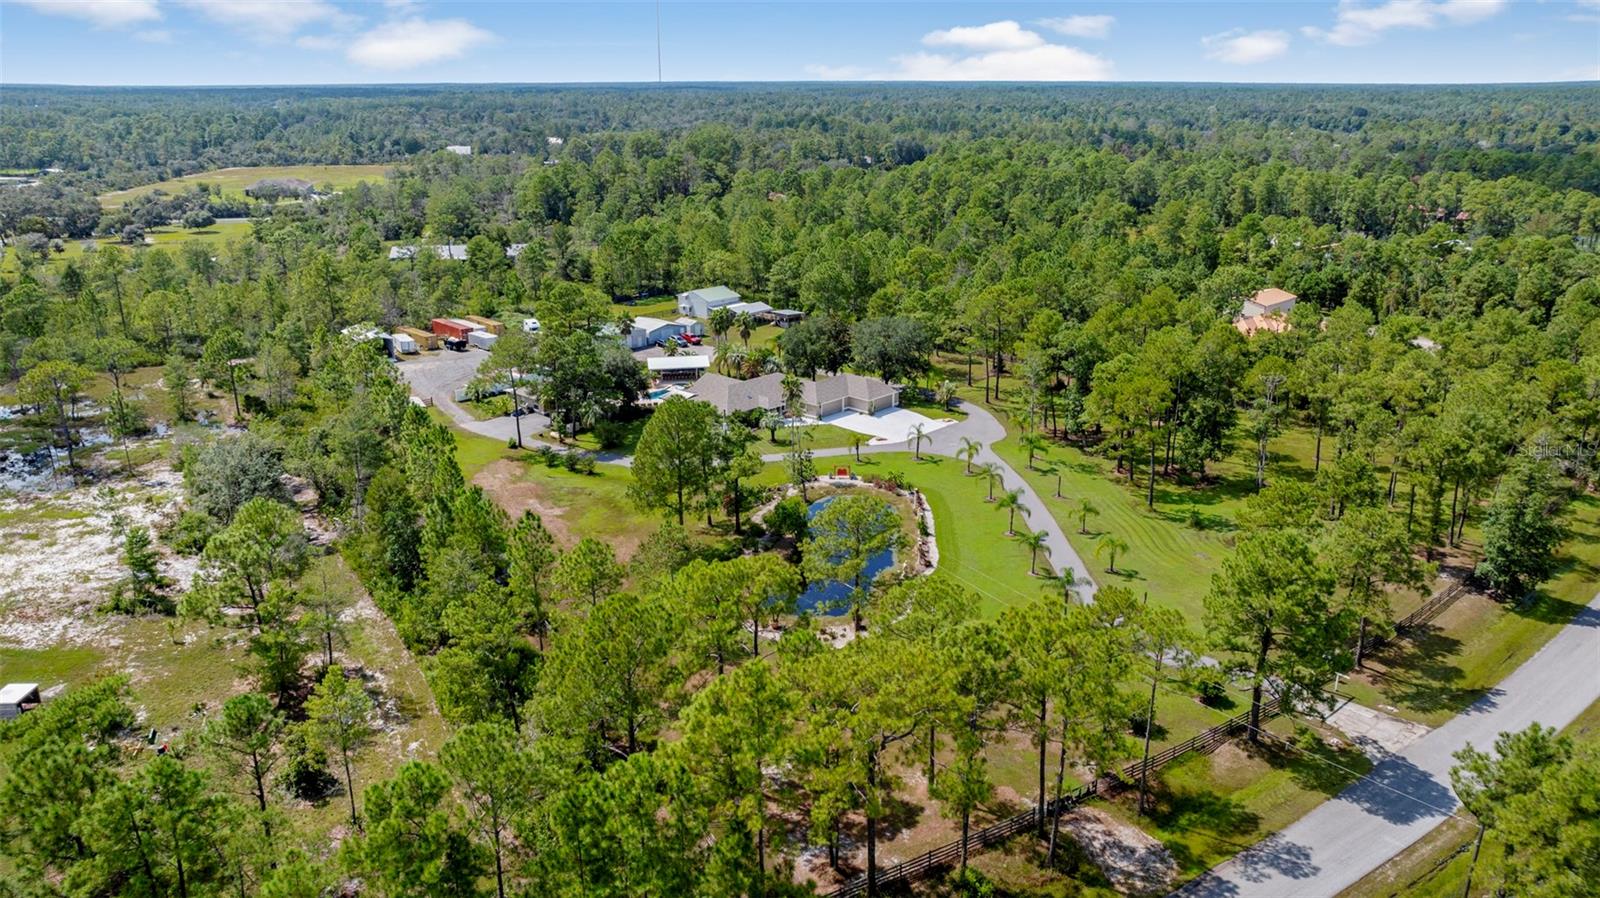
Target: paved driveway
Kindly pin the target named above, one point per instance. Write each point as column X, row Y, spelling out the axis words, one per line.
column 890, row 425
column 438, row 375
column 1408, row 793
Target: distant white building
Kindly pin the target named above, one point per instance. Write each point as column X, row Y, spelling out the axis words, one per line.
column 555, row 141
column 459, row 149
column 699, row 303
column 647, row 332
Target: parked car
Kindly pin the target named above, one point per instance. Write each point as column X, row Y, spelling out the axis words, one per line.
column 455, row 344
column 681, row 340
column 694, row 339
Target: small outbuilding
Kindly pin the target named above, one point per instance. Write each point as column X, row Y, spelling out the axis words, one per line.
column 678, row 367
column 17, row 698
column 647, row 332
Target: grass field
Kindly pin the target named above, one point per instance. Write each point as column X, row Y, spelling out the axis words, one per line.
column 168, row 237
column 973, row 547
column 233, row 181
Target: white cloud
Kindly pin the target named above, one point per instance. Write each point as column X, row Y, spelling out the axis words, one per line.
column 1098, row 27
column 1047, row 62
column 317, row 42
column 1242, row 47
column 99, row 13
column 268, row 19
column 153, row 36
column 998, row 51
column 1356, row 24
column 1005, row 35
column 413, row 42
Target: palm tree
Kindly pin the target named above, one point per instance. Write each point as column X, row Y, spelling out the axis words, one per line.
column 1064, row 581
column 991, row 471
column 1034, row 443
column 721, row 321
column 1112, row 547
column 1086, row 510
column 969, row 452
column 729, row 357
column 914, row 438
column 856, row 439
column 770, row 422
column 1011, row 501
column 1034, row 541
column 794, row 391
column 746, row 323
column 946, row 394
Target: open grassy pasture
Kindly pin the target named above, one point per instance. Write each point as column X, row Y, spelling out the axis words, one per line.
column 235, row 180
column 169, row 237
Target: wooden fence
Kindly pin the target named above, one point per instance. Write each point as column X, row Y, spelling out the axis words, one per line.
column 948, row 854
column 1421, row 617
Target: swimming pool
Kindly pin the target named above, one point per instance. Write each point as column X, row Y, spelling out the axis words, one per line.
column 827, row 597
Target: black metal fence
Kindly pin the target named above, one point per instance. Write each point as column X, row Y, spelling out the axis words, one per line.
column 947, row 855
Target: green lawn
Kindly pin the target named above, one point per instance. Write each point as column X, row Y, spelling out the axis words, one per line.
column 169, row 237
column 973, row 547
column 816, row 436
column 1207, row 808
column 234, row 180
column 1477, row 642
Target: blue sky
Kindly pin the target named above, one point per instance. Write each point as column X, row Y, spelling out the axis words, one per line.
column 409, row 41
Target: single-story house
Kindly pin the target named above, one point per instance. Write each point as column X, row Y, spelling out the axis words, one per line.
column 848, row 392
column 699, row 303
column 16, row 698
column 729, row 394
column 679, row 367
column 818, row 398
column 648, row 332
column 1270, row 301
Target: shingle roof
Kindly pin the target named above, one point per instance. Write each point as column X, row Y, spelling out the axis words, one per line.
column 1271, row 296
column 729, row 395
column 841, row 386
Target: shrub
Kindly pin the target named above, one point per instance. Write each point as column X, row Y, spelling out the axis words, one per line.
column 189, row 534
column 610, row 434
column 305, row 769
column 1210, row 684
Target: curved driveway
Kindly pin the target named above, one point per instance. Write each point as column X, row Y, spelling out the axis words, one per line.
column 983, row 427
column 1408, row 793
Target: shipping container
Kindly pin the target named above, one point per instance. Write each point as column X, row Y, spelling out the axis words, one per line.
column 404, row 344
column 488, row 324
column 449, row 327
column 425, row 339
column 482, row 339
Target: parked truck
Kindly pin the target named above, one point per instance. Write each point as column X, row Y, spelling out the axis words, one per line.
column 482, row 339
column 450, row 327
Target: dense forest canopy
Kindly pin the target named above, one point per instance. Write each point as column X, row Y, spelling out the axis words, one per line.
column 611, row 725
column 122, row 137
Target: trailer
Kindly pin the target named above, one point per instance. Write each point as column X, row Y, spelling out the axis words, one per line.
column 401, row 342
column 425, row 339
column 482, row 339
column 450, row 327
column 488, row 324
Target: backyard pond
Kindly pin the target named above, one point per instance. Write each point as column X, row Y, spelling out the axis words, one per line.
column 828, row 597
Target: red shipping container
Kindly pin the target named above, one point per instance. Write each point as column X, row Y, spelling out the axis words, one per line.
column 449, row 327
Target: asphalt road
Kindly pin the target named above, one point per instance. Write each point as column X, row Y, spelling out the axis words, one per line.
column 1408, row 793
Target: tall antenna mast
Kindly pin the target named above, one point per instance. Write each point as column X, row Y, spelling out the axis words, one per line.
column 658, row 41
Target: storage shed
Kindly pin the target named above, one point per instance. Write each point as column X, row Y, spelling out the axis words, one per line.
column 403, row 343
column 16, row 698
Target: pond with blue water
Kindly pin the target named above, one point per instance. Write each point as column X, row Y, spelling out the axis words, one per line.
column 827, row 597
